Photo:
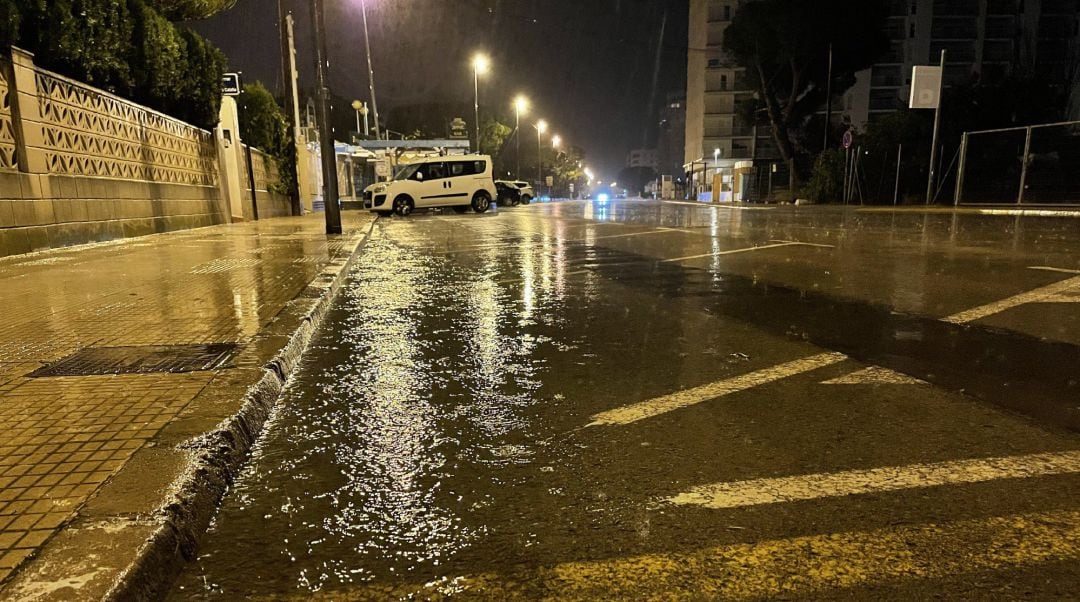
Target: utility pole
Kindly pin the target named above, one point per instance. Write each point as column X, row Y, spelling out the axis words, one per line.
column 937, row 127
column 288, row 74
column 326, row 140
column 371, row 72
column 828, row 101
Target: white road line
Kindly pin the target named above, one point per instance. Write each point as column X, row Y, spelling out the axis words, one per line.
column 755, row 492
column 1042, row 294
column 1050, row 269
column 806, row 244
column 732, row 252
column 667, row 403
column 659, row 231
column 874, row 375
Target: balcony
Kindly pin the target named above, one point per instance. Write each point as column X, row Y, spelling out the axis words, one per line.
column 729, row 132
column 960, row 8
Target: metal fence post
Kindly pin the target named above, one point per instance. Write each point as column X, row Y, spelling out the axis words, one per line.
column 1024, row 166
column 958, row 195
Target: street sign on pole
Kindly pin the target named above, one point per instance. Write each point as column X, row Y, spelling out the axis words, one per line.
column 230, row 84
column 925, row 87
column 848, row 140
column 926, row 94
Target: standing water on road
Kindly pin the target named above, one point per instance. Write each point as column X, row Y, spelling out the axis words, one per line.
column 559, row 402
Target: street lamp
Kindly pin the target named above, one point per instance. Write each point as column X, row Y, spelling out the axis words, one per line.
column 361, row 110
column 556, row 141
column 371, row 73
column 481, row 64
column 541, row 129
column 716, row 166
column 521, row 104
column 326, row 141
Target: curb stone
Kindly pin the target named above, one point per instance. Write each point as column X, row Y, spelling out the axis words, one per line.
column 217, row 456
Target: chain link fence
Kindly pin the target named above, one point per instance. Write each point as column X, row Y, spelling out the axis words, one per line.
column 1037, row 164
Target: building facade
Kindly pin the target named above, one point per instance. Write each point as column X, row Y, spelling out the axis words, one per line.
column 718, row 139
column 984, row 40
column 642, row 157
column 671, row 137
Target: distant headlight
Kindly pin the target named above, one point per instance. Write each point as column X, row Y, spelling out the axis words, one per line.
column 602, row 197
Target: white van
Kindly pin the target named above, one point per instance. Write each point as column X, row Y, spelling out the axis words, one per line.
column 461, row 182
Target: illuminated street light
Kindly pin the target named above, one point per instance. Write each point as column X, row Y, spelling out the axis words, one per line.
column 556, row 141
column 481, row 65
column 521, row 105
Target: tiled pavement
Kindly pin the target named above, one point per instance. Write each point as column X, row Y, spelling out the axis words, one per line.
column 62, row 438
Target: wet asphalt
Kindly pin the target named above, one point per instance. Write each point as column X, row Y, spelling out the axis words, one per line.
column 438, row 442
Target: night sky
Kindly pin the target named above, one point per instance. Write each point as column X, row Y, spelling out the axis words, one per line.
column 588, row 65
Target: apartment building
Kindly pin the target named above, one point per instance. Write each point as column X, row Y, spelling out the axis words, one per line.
column 715, row 87
column 671, row 136
column 984, row 40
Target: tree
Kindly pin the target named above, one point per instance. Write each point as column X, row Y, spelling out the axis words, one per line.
column 264, row 126
column 124, row 47
column 88, row 39
column 186, row 10
column 784, row 47
column 493, row 136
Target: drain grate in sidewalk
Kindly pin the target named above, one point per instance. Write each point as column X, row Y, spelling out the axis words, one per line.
column 174, row 359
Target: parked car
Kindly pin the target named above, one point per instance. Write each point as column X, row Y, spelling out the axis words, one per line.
column 527, row 194
column 459, row 182
column 507, row 194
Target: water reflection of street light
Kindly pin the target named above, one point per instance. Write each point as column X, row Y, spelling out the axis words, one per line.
column 481, row 64
column 521, row 104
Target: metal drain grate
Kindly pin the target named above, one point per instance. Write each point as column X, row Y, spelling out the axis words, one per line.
column 152, row 359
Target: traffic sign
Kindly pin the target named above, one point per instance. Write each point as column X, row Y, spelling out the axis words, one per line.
column 230, row 84
column 848, row 140
column 925, row 87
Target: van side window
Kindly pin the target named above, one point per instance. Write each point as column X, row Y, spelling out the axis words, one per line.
column 435, row 171
column 467, row 168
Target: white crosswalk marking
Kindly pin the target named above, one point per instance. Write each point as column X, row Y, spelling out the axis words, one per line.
column 876, row 480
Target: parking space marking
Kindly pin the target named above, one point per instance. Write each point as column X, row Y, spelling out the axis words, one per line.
column 745, row 250
column 810, row 566
column 738, row 494
column 1042, row 294
column 658, row 231
column 668, row 403
column 874, row 375
column 1052, row 269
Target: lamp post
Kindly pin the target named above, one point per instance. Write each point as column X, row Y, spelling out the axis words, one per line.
column 480, row 64
column 356, row 106
column 716, row 167
column 521, row 104
column 541, row 129
column 326, row 142
column 371, row 72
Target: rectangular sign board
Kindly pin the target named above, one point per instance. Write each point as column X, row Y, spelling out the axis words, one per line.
column 925, row 87
column 230, row 84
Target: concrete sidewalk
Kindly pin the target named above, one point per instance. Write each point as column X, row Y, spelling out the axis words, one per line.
column 101, row 474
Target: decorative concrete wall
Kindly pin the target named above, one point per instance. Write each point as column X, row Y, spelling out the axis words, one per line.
column 78, row 165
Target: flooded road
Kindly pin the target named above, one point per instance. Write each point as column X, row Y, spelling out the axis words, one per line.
column 641, row 400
